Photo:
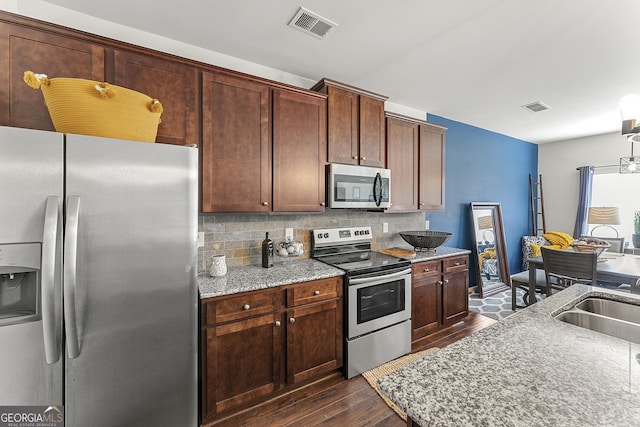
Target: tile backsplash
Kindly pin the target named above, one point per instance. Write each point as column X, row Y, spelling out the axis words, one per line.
column 239, row 236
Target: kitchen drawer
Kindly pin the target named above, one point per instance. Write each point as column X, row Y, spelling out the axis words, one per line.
column 310, row 292
column 455, row 264
column 426, row 269
column 241, row 307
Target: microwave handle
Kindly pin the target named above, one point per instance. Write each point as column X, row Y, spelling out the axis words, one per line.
column 377, row 189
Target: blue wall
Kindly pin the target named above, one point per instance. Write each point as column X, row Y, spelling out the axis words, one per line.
column 484, row 166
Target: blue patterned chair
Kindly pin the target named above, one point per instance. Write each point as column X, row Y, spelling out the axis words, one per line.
column 521, row 280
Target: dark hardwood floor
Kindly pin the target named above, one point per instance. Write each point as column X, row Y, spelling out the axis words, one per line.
column 334, row 401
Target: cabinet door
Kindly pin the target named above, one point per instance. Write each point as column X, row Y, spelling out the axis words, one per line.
column 299, row 151
column 236, row 166
column 426, row 299
column 174, row 84
column 23, row 49
column 402, row 159
column 426, row 315
column 431, row 168
column 455, row 297
column 372, row 136
column 314, row 340
column 242, row 362
column 343, row 125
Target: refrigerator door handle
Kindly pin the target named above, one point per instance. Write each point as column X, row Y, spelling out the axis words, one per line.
column 70, row 260
column 48, row 278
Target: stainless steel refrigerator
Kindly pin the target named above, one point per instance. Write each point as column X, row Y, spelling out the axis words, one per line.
column 98, row 296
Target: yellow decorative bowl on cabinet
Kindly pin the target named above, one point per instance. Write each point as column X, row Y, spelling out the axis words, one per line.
column 88, row 107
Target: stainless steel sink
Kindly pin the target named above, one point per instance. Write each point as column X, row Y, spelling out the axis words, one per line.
column 615, row 318
column 627, row 331
column 609, row 308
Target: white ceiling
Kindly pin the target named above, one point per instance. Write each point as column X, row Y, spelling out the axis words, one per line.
column 473, row 61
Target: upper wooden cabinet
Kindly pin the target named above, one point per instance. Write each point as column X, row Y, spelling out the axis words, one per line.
column 415, row 155
column 402, row 159
column 299, row 152
column 61, row 52
column 431, row 166
column 263, row 147
column 174, row 84
column 355, row 122
column 25, row 49
column 236, row 165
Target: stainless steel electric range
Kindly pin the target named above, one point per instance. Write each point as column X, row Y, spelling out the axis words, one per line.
column 377, row 297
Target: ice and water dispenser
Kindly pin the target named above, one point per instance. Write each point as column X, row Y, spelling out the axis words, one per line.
column 19, row 282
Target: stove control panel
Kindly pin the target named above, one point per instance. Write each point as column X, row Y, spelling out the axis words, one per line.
column 341, row 235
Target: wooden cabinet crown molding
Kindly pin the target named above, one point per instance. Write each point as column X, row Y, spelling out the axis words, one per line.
column 328, row 82
column 432, row 126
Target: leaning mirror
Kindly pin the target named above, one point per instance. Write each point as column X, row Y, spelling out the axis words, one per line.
column 490, row 252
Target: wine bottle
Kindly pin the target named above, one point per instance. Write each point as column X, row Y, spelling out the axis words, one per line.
column 267, row 252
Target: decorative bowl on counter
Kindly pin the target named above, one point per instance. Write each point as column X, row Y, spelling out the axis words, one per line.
column 425, row 239
column 590, row 244
column 289, row 249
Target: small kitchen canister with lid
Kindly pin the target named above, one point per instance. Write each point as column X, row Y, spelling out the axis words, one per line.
column 218, row 266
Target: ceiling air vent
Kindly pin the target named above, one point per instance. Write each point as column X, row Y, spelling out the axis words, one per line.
column 536, row 107
column 311, row 23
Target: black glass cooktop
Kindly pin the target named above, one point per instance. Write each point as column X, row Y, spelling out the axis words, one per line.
column 364, row 262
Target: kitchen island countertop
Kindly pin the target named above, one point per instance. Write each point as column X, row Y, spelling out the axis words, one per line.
column 529, row 369
column 253, row 277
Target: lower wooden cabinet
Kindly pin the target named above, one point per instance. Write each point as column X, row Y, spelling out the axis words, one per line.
column 257, row 344
column 314, row 340
column 440, row 295
column 242, row 361
column 455, row 289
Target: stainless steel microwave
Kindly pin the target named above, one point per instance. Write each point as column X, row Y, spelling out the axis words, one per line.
column 362, row 187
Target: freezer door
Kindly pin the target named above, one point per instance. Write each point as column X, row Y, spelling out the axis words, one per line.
column 31, row 176
column 130, row 296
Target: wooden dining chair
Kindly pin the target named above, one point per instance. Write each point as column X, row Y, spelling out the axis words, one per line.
column 568, row 267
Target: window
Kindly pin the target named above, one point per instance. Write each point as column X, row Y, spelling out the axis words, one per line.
column 621, row 190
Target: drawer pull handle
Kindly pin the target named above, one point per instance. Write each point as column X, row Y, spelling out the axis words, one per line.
column 316, row 292
column 265, row 203
column 426, row 270
column 246, row 306
column 457, row 263
column 292, row 320
column 278, row 323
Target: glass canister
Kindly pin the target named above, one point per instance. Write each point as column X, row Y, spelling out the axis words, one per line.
column 218, row 266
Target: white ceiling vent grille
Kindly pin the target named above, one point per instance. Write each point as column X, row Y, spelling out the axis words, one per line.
column 536, row 107
column 311, row 23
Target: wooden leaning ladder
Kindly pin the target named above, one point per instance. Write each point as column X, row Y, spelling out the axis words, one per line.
column 538, row 225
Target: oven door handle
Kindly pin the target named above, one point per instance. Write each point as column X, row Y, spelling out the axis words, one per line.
column 378, row 278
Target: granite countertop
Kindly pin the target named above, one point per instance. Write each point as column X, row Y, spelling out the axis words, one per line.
column 527, row 370
column 253, row 277
column 438, row 253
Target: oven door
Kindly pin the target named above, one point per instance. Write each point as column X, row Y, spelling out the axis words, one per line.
column 377, row 302
column 358, row 186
